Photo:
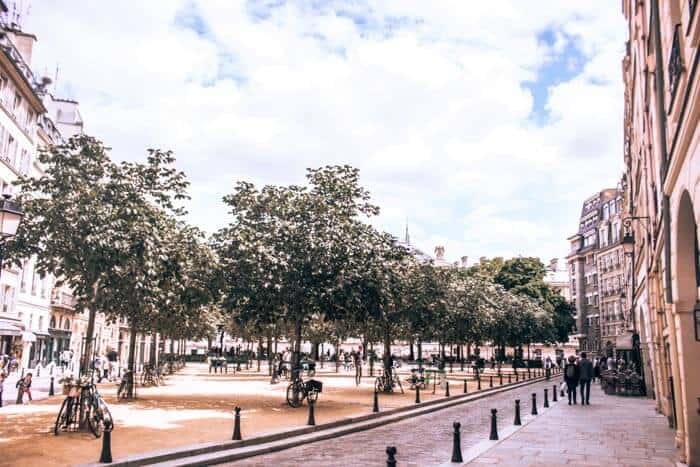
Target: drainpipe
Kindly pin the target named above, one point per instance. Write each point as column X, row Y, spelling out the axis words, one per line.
column 661, row 118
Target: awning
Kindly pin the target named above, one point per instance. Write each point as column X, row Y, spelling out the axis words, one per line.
column 28, row 336
column 9, row 329
column 623, row 342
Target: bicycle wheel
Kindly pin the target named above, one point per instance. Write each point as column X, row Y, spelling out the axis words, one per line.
column 379, row 384
column 95, row 419
column 295, row 394
column 62, row 418
column 397, row 381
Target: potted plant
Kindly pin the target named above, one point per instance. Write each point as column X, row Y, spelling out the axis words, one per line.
column 67, row 382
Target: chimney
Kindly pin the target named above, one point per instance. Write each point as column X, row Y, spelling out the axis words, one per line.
column 464, row 259
column 439, row 252
column 24, row 43
column 554, row 264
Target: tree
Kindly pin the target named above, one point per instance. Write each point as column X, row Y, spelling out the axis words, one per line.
column 288, row 249
column 80, row 214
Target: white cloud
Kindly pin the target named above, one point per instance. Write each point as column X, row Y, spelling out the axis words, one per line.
column 428, row 99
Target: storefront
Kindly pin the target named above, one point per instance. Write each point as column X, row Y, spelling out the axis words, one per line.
column 10, row 333
column 59, row 340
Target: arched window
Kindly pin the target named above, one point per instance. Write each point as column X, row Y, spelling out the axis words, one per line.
column 66, row 325
column 52, row 323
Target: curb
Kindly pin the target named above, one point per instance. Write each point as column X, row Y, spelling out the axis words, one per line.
column 236, row 450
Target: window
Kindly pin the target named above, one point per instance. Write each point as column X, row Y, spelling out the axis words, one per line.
column 52, row 323
column 17, row 102
column 23, row 283
column 606, row 212
column 41, row 323
column 34, row 283
column 615, row 232
column 43, row 287
column 31, row 320
column 66, row 325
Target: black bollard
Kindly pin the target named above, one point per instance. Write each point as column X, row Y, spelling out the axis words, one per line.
column 554, row 393
column 447, row 389
column 491, row 381
column 51, row 393
column 391, row 456
column 375, row 409
column 478, row 382
column 106, row 454
column 417, row 394
column 510, row 380
column 500, row 379
column 534, row 404
column 546, row 398
column 517, row 413
column 494, row 429
column 237, row 425
column 528, row 373
column 465, row 386
column 312, row 420
column 456, row 443
column 517, row 378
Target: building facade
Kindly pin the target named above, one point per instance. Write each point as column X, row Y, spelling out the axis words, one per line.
column 662, row 158
column 593, row 290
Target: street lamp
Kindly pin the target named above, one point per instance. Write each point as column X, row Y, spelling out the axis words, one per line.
column 628, row 243
column 10, row 216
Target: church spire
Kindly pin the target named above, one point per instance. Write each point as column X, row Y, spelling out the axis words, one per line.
column 407, row 239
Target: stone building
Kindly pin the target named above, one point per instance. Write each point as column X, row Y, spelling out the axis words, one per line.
column 662, row 158
column 596, row 242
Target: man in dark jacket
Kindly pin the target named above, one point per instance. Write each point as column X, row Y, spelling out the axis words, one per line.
column 571, row 377
column 585, row 377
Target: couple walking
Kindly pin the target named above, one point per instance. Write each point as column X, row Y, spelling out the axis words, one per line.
column 578, row 374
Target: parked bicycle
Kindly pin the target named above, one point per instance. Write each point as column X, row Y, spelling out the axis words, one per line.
column 84, row 406
column 126, row 382
column 298, row 390
column 381, row 384
column 151, row 376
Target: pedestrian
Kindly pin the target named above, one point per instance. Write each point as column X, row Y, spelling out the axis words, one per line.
column 358, row 368
column 97, row 367
column 105, row 367
column 24, row 386
column 548, row 367
column 2, row 384
column 597, row 369
column 586, row 374
column 571, row 377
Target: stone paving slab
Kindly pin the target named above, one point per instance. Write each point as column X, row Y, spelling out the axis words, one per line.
column 611, row 431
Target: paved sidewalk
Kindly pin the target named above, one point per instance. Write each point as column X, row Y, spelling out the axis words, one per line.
column 613, row 430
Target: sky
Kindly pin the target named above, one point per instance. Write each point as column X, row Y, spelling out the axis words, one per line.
column 482, row 124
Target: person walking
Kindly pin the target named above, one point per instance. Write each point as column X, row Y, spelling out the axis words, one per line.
column 24, row 386
column 571, row 377
column 358, row 367
column 585, row 376
column 2, row 383
column 548, row 368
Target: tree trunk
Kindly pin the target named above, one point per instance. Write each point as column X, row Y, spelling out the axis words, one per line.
column 364, row 347
column 260, row 341
column 411, row 356
column 420, row 353
column 296, row 354
column 269, row 352
column 132, row 362
column 387, row 359
column 152, row 350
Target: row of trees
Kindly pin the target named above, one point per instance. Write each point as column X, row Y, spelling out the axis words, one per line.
column 301, row 261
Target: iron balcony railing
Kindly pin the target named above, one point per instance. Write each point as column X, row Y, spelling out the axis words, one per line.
column 64, row 300
column 675, row 65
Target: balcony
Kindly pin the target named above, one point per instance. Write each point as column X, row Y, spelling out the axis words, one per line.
column 63, row 301
column 675, row 64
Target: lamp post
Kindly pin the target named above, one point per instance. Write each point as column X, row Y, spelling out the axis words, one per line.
column 10, row 216
column 628, row 243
